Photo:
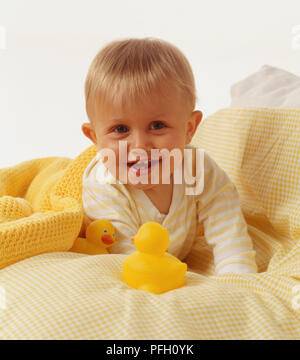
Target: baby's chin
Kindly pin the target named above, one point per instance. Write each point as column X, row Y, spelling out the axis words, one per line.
column 141, row 186
column 142, row 183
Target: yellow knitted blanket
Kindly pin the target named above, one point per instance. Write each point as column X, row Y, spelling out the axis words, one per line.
column 65, row 295
column 40, row 206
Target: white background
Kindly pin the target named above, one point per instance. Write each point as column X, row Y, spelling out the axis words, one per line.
column 50, row 44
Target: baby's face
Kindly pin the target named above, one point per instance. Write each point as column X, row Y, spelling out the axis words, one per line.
column 156, row 123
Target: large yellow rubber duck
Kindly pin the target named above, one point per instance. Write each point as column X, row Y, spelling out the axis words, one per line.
column 151, row 268
column 100, row 234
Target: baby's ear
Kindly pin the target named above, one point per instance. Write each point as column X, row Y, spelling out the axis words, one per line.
column 193, row 123
column 197, row 114
column 89, row 132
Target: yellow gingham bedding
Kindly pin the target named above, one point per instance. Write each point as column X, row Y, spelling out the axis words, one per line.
column 63, row 295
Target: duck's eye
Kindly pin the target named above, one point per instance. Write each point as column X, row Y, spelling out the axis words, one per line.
column 105, row 230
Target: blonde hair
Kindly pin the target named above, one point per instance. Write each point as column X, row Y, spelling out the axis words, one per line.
column 126, row 70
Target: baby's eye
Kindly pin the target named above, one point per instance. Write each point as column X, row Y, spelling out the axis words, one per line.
column 158, row 125
column 120, row 128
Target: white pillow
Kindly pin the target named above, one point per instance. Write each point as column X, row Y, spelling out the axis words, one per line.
column 268, row 87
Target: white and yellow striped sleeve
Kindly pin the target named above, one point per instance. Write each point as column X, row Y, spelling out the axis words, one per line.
column 108, row 201
column 224, row 225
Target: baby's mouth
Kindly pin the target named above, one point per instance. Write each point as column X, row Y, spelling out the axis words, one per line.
column 142, row 164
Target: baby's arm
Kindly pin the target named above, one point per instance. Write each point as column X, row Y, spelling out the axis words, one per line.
column 224, row 225
column 107, row 201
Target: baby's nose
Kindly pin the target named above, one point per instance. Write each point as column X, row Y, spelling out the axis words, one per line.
column 141, row 140
column 141, row 152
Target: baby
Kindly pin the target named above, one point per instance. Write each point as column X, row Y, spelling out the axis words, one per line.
column 140, row 100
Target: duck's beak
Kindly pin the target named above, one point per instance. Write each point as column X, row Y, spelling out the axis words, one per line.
column 107, row 239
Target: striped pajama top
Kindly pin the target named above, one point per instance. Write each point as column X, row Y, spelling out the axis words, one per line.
column 216, row 208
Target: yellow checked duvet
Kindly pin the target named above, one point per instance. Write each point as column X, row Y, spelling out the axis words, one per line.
column 47, row 292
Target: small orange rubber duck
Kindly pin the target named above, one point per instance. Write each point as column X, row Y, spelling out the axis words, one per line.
column 100, row 234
